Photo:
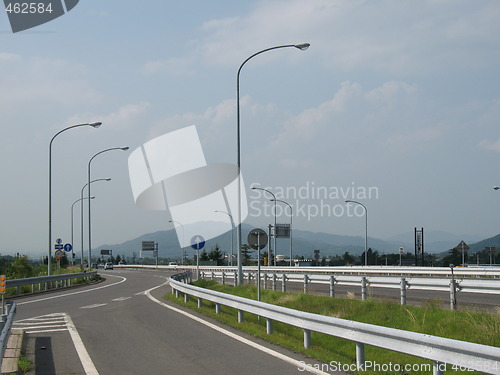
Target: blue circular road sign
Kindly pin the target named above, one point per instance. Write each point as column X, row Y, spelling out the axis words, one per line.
column 197, row 242
column 68, row 247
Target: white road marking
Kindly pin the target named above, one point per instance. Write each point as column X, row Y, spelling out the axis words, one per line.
column 93, row 306
column 73, row 293
column 42, row 324
column 262, row 348
column 119, row 299
column 85, row 359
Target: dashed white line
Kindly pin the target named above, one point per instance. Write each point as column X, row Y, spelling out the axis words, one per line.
column 119, row 299
column 93, row 306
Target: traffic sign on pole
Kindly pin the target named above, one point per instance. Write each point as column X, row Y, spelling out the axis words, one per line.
column 197, row 242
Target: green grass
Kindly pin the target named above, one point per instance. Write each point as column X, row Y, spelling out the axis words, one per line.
column 24, row 364
column 482, row 328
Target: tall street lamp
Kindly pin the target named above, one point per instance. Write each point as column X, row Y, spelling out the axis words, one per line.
column 94, row 125
column 366, row 229
column 291, row 216
column 72, row 241
column 81, row 210
column 88, row 189
column 232, row 235
column 182, row 246
column 274, row 237
column 301, row 47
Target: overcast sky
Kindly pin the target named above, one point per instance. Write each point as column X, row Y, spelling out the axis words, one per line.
column 396, row 104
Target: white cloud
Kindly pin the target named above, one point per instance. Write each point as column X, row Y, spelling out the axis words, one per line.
column 488, row 145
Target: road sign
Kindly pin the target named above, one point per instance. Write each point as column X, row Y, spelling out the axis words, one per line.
column 58, row 241
column 282, row 230
column 58, row 246
column 257, row 239
column 59, row 254
column 197, row 242
column 148, row 246
column 68, row 247
column 105, row 252
column 3, row 284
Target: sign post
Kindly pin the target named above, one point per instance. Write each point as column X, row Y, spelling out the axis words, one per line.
column 257, row 240
column 197, row 243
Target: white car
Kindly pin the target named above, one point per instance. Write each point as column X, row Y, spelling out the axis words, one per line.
column 108, row 266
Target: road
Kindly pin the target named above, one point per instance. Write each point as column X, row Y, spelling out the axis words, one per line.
column 123, row 326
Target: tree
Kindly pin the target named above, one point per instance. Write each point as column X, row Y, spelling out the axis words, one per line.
column 245, row 251
column 20, row 268
column 204, row 256
column 216, row 255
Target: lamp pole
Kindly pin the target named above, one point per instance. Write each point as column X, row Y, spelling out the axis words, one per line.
column 88, row 189
column 275, row 204
column 94, row 125
column 72, row 231
column 366, row 228
column 232, row 235
column 301, row 47
column 81, row 211
column 182, row 245
column 291, row 216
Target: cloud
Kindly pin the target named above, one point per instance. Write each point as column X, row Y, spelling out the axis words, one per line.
column 488, row 145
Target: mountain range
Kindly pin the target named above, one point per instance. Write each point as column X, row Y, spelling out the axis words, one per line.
column 304, row 243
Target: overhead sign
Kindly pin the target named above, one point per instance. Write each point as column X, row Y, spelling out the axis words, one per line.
column 105, row 252
column 257, row 239
column 148, row 246
column 197, row 242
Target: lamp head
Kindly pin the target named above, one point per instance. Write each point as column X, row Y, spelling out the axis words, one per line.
column 302, row 46
column 108, row 179
column 496, row 187
column 95, row 124
column 124, row 148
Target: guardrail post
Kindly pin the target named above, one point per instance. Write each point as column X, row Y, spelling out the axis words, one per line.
column 217, row 308
column 223, row 278
column 453, row 294
column 203, row 274
column 283, row 284
column 332, row 286
column 213, row 275
column 307, row 339
column 438, row 368
column 363, row 288
column 200, row 303
column 269, row 326
column 265, row 281
column 360, row 355
column 249, row 277
column 235, row 278
column 403, row 291
column 186, row 298
column 306, row 279
column 274, row 281
column 241, row 316
column 176, row 293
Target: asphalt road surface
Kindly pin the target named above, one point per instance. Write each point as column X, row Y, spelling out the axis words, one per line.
column 123, row 326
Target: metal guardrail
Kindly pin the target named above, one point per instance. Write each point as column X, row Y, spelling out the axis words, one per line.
column 6, row 321
column 441, row 351
column 43, row 282
column 444, row 284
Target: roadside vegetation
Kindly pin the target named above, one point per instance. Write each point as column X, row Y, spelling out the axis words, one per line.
column 478, row 327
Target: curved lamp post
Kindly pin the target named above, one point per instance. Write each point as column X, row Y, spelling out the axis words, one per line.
column 275, row 204
column 88, row 189
column 182, row 246
column 72, row 241
column 291, row 216
column 366, row 228
column 301, row 47
column 232, row 235
column 81, row 210
column 94, row 125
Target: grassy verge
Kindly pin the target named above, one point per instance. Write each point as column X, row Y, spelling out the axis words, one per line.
column 475, row 327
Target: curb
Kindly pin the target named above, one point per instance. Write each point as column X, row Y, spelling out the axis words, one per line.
column 10, row 363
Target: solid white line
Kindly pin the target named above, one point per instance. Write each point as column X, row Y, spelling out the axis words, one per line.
column 48, row 330
column 39, row 323
column 88, row 365
column 47, row 326
column 299, row 364
column 73, row 293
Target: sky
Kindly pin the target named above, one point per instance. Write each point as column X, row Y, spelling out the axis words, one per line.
column 395, row 104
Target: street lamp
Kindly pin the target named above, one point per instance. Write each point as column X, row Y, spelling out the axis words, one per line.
column 366, row 229
column 72, row 241
column 232, row 235
column 182, row 246
column 81, row 211
column 301, row 47
column 94, row 125
column 275, row 204
column 88, row 189
column 291, row 216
